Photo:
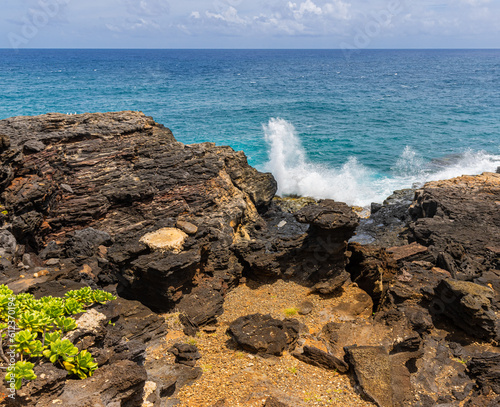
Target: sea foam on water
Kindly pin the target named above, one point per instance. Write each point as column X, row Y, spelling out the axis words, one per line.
column 352, row 182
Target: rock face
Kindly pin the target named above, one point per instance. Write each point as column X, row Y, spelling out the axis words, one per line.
column 373, row 371
column 469, row 305
column 460, row 219
column 126, row 177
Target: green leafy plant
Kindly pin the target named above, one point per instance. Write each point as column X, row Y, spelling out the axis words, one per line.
column 39, row 324
column 72, row 306
column 51, row 337
column 25, row 343
column 83, row 295
column 65, row 324
column 82, row 365
column 36, row 321
column 22, row 370
column 61, row 350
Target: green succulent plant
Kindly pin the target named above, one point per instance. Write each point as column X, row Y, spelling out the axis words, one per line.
column 51, row 337
column 83, row 295
column 102, row 297
column 61, row 350
column 26, row 343
column 36, row 321
column 4, row 290
column 22, row 370
column 65, row 324
column 83, row 365
column 72, row 306
column 42, row 322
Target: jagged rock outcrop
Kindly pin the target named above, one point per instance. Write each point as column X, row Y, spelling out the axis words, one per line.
column 460, row 220
column 469, row 306
column 120, row 176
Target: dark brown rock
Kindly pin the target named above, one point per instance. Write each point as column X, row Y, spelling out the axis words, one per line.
column 372, row 368
column 202, row 306
column 124, row 175
column 339, row 335
column 264, row 335
column 121, row 383
column 329, row 215
column 469, row 306
column 185, row 354
column 407, row 252
column 305, row 307
column 371, row 268
column 169, row 379
column 459, row 217
column 486, row 367
column 317, row 357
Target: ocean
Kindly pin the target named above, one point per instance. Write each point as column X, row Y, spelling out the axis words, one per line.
column 351, row 126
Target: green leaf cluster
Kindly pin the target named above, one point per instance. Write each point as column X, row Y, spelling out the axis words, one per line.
column 42, row 323
column 21, row 370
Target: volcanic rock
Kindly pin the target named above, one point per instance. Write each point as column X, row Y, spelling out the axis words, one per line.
column 264, row 335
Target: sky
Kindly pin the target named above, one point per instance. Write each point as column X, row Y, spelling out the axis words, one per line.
column 330, row 24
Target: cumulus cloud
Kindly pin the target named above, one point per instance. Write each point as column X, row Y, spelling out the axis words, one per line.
column 307, row 17
column 230, row 15
column 307, row 7
column 339, row 9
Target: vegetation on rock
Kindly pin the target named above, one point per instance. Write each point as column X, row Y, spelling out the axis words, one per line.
column 33, row 329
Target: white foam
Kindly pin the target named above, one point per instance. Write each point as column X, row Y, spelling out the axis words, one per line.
column 354, row 183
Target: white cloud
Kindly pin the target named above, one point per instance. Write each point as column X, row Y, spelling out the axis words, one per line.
column 230, row 15
column 339, row 9
column 133, row 25
column 197, row 23
column 307, row 7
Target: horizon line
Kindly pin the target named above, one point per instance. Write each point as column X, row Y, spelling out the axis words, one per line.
column 254, row 49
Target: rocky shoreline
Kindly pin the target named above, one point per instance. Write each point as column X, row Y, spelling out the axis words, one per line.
column 113, row 201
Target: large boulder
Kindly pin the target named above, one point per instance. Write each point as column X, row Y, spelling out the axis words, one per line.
column 469, row 306
column 264, row 335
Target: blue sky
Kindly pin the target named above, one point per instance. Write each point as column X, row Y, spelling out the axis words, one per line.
column 250, row 24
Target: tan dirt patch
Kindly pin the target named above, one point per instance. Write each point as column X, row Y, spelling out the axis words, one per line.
column 243, row 379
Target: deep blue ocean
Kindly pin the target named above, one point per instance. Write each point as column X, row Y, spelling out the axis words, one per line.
column 349, row 126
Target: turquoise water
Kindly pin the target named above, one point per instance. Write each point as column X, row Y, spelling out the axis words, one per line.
column 350, row 127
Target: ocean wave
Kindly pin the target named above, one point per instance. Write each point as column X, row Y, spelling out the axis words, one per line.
column 353, row 182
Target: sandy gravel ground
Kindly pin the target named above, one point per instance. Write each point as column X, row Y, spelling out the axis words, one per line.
column 243, row 379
